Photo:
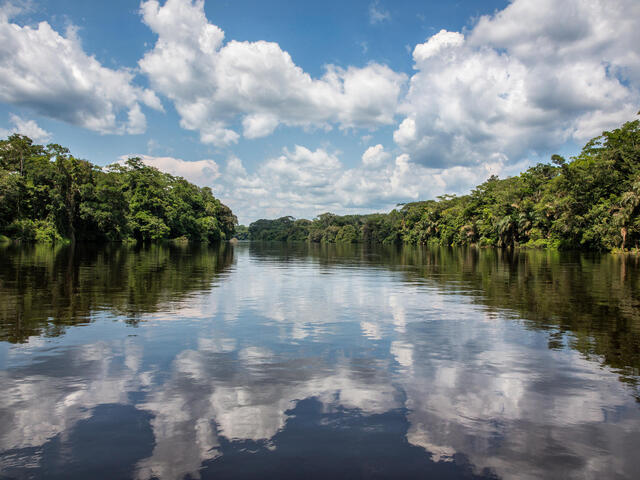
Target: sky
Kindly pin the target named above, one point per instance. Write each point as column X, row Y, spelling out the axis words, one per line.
column 300, row 108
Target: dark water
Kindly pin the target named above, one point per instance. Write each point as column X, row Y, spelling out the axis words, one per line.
column 275, row 361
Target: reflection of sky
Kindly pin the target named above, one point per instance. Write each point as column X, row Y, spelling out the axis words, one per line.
column 233, row 367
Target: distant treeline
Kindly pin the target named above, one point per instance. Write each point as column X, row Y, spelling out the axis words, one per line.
column 46, row 194
column 590, row 202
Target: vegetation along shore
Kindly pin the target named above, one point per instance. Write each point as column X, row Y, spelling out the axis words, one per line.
column 590, row 202
column 48, row 195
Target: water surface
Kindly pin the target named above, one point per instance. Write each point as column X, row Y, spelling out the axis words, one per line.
column 289, row 361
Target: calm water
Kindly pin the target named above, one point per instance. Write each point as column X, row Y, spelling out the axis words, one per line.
column 260, row 361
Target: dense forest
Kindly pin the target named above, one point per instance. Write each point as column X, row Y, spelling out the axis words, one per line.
column 48, row 195
column 590, row 202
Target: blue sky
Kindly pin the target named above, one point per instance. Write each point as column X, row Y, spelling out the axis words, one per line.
column 304, row 107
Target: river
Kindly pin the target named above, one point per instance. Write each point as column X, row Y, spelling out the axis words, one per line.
column 317, row 361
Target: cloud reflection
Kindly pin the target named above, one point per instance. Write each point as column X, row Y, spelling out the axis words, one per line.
column 471, row 382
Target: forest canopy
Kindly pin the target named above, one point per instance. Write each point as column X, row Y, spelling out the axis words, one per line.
column 48, row 195
column 590, row 202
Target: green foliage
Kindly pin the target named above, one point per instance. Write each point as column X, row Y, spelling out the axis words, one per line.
column 47, row 195
column 330, row 228
column 46, row 232
column 590, row 202
column 242, row 232
column 23, row 229
column 281, row 229
column 347, row 234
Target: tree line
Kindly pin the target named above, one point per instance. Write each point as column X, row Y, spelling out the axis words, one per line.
column 48, row 195
column 590, row 202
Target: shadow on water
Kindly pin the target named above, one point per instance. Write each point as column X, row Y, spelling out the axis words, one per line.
column 45, row 289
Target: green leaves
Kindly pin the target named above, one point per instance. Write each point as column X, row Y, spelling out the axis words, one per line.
column 589, row 202
column 46, row 195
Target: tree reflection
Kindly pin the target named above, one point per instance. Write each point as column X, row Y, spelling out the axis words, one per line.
column 396, row 361
column 45, row 289
column 593, row 298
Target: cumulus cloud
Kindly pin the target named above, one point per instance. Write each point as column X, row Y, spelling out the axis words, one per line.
column 51, row 74
column 374, row 156
column 527, row 79
column 303, row 183
column 213, row 84
column 300, row 178
column 490, row 100
column 28, row 128
column 406, row 132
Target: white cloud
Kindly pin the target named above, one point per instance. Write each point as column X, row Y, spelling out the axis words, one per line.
column 529, row 78
column 406, row 132
column 437, row 44
column 259, row 125
column 213, row 84
column 303, row 168
column 200, row 172
column 303, row 183
column 377, row 14
column 52, row 75
column 28, row 128
column 375, row 156
column 520, row 83
column 298, row 181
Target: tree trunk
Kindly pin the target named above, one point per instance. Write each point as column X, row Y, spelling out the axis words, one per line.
column 70, row 215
